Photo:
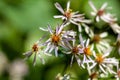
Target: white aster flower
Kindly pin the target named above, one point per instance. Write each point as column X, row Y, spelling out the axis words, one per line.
column 100, row 41
column 71, row 17
column 37, row 49
column 106, row 17
column 57, row 38
column 75, row 51
column 104, row 63
column 86, row 50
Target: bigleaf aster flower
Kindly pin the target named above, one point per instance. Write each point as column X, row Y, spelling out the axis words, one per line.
column 36, row 49
column 86, row 50
column 104, row 63
column 74, row 50
column 106, row 17
column 100, row 41
column 71, row 17
column 57, row 38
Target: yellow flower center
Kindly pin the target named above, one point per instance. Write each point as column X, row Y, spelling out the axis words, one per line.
column 75, row 50
column 35, row 48
column 87, row 51
column 55, row 38
column 99, row 59
column 100, row 12
column 96, row 38
column 68, row 13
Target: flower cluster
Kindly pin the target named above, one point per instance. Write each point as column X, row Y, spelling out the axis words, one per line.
column 91, row 52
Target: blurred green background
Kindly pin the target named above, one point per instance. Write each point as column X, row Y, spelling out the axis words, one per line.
column 19, row 29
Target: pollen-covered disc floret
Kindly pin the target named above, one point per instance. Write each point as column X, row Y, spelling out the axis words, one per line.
column 99, row 59
column 55, row 38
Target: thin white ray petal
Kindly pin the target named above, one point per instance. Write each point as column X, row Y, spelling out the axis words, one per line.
column 34, row 60
column 81, row 40
column 56, row 51
column 97, row 18
column 43, row 61
column 93, row 13
column 58, row 16
column 92, row 6
column 102, row 69
column 103, row 6
column 104, row 34
column 94, row 64
column 71, row 61
column 51, row 48
column 50, row 29
column 58, row 6
column 87, row 42
column 68, row 5
column 43, row 29
column 78, row 60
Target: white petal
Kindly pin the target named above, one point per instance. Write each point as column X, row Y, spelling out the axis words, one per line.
column 51, row 48
column 106, row 54
column 98, row 48
column 56, row 51
column 60, row 29
column 48, row 47
column 79, row 28
column 74, row 22
column 68, row 5
column 87, row 42
column 43, row 61
column 58, row 6
column 28, row 54
column 77, row 15
column 50, row 29
column 78, row 60
column 88, row 68
column 103, row 6
column 93, row 13
column 94, row 54
column 104, row 34
column 115, row 27
column 105, row 19
column 59, row 16
column 102, row 69
column 43, row 29
column 84, row 59
column 92, row 6
column 97, row 18
column 81, row 40
column 71, row 61
column 34, row 60
column 94, row 64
